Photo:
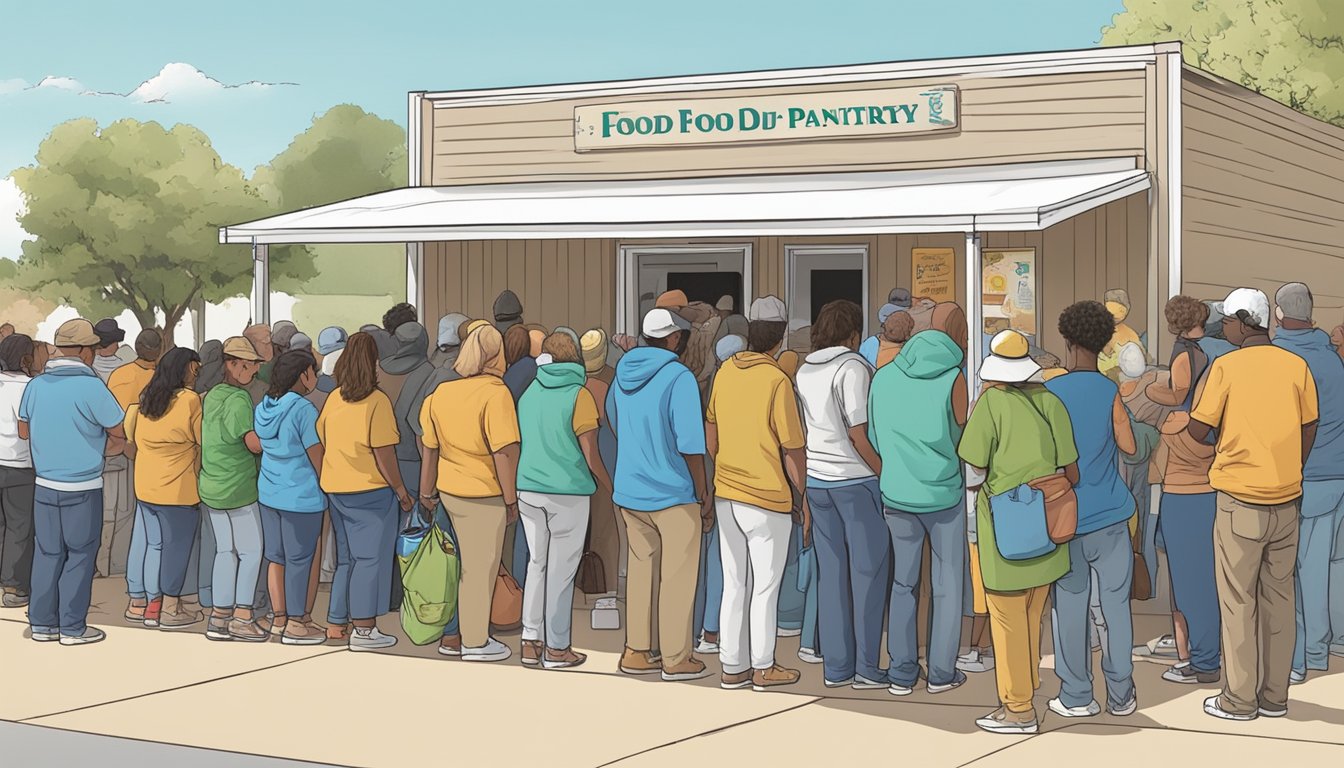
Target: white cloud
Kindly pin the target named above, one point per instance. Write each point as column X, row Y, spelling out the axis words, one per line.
column 174, row 83
column 11, row 234
column 61, row 84
column 12, row 86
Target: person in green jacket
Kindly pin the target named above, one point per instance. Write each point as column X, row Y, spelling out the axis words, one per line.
column 916, row 412
column 559, row 470
column 1018, row 432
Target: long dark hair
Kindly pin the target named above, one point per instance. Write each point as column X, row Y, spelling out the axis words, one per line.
column 287, row 369
column 357, row 370
column 170, row 375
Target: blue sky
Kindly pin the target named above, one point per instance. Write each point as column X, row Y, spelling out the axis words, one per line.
column 290, row 60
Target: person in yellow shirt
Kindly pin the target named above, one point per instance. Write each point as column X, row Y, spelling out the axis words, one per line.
column 1262, row 400
column 126, row 383
column 360, row 475
column 470, row 457
column 754, row 432
column 163, row 438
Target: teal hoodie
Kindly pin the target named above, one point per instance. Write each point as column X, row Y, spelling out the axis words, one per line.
column 911, row 425
column 551, row 461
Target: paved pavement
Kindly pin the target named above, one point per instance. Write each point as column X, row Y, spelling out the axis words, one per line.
column 157, row 698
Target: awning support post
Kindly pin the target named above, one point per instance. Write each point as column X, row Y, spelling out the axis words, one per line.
column 261, row 283
column 415, row 283
column 975, row 321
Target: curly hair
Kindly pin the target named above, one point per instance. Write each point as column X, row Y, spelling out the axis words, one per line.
column 837, row 323
column 397, row 316
column 1087, row 324
column 1185, row 313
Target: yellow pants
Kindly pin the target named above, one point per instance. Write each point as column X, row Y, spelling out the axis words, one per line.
column 479, row 525
column 664, row 566
column 1015, row 627
column 977, row 583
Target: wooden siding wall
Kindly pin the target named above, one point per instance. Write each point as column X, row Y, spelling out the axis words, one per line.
column 1003, row 119
column 1263, row 199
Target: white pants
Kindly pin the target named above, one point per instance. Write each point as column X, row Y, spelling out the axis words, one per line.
column 555, row 527
column 754, row 545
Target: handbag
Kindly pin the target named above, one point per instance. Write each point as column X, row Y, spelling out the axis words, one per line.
column 1060, row 500
column 430, row 573
column 1018, row 518
column 591, row 578
column 506, row 608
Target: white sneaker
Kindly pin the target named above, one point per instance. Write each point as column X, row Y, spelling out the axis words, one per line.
column 839, row 683
column 91, row 635
column 900, row 690
column 1127, row 709
column 862, row 683
column 1213, row 709
column 45, row 637
column 789, row 632
column 493, row 650
column 370, row 639
column 1297, row 678
column 809, row 656
column 958, row 680
column 706, row 647
column 1091, row 710
column 975, row 661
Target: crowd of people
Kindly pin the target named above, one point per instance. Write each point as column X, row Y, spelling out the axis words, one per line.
column 744, row 490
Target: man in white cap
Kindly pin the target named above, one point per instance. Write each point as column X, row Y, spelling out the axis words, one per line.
column 663, row 494
column 1262, row 401
column 71, row 421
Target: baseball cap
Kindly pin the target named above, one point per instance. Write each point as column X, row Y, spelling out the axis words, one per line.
column 900, row 297
column 109, row 332
column 661, row 323
column 76, row 333
column 1250, row 301
column 768, row 309
column 331, row 339
column 241, row 348
column 301, row 340
column 672, row 300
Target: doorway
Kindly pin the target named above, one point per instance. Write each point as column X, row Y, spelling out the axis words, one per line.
column 705, row 273
column 818, row 275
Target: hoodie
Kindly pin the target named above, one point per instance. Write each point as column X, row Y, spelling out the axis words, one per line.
column 1326, row 461
column 68, row 410
column 508, row 311
column 912, row 426
column 833, row 391
column 552, row 413
column 411, row 360
column 287, row 428
column 654, row 408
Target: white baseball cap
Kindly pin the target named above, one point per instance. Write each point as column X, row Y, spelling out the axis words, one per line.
column 661, row 323
column 768, row 309
column 1249, row 300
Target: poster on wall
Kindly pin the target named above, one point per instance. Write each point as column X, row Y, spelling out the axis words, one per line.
column 1008, row 290
column 934, row 273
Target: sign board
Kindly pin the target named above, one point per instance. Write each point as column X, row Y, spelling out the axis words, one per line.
column 1008, row 290
column 934, row 273
column 750, row 119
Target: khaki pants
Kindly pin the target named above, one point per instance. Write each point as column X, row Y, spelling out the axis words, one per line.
column 479, row 525
column 1255, row 556
column 1015, row 629
column 663, row 569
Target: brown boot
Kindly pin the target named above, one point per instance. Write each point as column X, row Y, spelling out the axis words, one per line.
column 690, row 669
column 773, row 677
column 639, row 663
column 733, row 682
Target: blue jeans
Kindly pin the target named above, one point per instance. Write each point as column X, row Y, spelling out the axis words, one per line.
column 1187, row 529
column 854, row 563
column 808, row 585
column 292, row 542
column 946, row 532
column 200, row 570
column 67, row 528
column 176, row 528
column 142, row 569
column 1109, row 552
column 1322, row 502
column 792, row 597
column 709, row 587
column 366, row 540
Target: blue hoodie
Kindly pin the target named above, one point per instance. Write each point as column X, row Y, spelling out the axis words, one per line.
column 654, row 407
column 68, row 410
column 287, row 428
column 1326, row 461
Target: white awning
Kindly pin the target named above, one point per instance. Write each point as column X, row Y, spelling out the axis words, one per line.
column 1028, row 196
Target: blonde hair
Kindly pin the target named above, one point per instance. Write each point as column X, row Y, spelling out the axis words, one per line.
column 482, row 353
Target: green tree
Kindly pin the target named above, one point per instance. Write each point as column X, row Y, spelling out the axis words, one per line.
column 128, row 217
column 1289, row 50
column 345, row 153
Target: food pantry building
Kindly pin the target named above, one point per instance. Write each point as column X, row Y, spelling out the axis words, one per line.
column 1013, row 184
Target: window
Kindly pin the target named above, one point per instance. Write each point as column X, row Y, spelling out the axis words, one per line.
column 704, row 273
column 818, row 275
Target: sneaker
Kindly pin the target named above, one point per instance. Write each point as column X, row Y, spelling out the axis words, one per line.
column 1003, row 721
column 91, row 635
column 1213, row 708
column 451, row 650
column 958, row 680
column 44, row 637
column 773, row 677
column 974, row 661
column 862, row 683
column 1126, row 709
column 493, row 650
column 248, row 631
column 531, row 653
column 782, row 632
column 707, row 647
column 15, row 599
column 362, row 639
column 218, row 629
column 135, row 614
column 733, row 682
column 639, row 663
column 153, row 612
column 180, row 619
column 690, row 669
column 298, row 633
column 1296, row 678
column 1337, row 649
column 809, row 656
column 839, row 683
column 896, row 689
column 566, row 659
column 1273, row 711
column 1091, row 710
column 1185, row 674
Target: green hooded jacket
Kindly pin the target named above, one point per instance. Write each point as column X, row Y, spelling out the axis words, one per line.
column 551, row 460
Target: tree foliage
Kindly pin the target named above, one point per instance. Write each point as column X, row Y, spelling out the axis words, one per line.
column 1289, row 50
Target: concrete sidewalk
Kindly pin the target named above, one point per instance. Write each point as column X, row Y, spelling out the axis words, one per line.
column 328, row 706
